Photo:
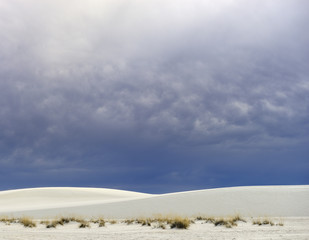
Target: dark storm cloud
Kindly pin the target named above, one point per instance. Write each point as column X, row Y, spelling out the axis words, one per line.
column 153, row 90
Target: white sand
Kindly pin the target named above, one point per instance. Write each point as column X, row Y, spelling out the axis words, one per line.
column 61, row 197
column 287, row 204
column 275, row 201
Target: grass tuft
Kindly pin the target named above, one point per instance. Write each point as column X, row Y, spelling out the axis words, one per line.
column 227, row 222
column 180, row 223
column 84, row 225
column 129, row 221
column 52, row 224
column 8, row 221
column 265, row 221
column 112, row 221
column 27, row 222
column 101, row 222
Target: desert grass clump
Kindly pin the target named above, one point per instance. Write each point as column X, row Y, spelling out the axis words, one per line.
column 228, row 223
column 112, row 221
column 210, row 220
column 206, row 219
column 260, row 222
column 45, row 222
column 84, row 224
column 238, row 218
column 280, row 223
column 268, row 222
column 101, row 222
column 52, row 224
column 8, row 221
column 94, row 221
column 129, row 221
column 180, row 223
column 27, row 222
column 66, row 220
column 144, row 222
column 61, row 221
column 161, row 225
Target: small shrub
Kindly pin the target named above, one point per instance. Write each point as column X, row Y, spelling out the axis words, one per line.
column 257, row 222
column 101, row 222
column 94, row 221
column 219, row 222
column 210, row 220
column 263, row 222
column 224, row 222
column 8, row 221
column 27, row 222
column 84, row 225
column 144, row 222
column 267, row 221
column 161, row 225
column 181, row 223
column 112, row 221
column 129, row 221
column 237, row 218
column 63, row 221
column 228, row 223
column 52, row 224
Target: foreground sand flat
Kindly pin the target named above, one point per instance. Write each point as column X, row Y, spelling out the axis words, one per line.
column 294, row 228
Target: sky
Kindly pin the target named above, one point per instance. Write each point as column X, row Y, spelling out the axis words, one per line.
column 154, row 96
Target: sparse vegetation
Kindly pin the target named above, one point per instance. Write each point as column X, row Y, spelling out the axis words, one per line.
column 45, row 222
column 129, row 221
column 8, row 221
column 160, row 225
column 210, row 220
column 159, row 222
column 101, row 222
column 112, row 221
column 280, row 224
column 52, row 224
column 227, row 222
column 181, row 223
column 265, row 221
column 144, row 222
column 238, row 218
column 27, row 222
column 84, row 224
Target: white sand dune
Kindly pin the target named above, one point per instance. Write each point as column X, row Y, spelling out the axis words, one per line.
column 272, row 201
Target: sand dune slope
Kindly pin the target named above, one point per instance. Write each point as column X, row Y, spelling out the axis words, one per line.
column 272, row 201
column 45, row 198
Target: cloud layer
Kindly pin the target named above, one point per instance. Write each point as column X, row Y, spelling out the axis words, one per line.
column 154, row 95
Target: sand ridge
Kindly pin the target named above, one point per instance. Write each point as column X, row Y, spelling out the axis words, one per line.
column 277, row 201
